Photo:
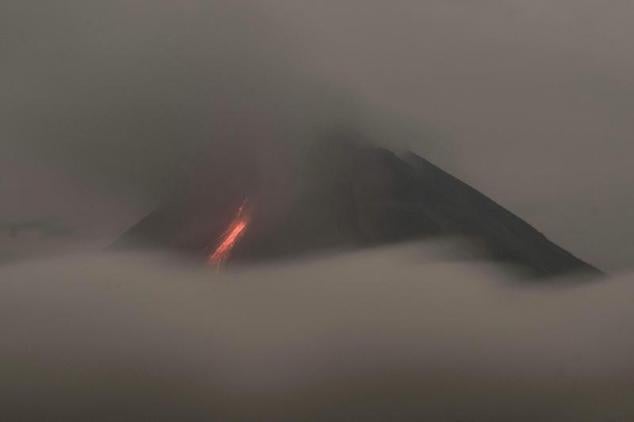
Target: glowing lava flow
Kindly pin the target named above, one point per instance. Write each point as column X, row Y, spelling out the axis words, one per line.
column 229, row 239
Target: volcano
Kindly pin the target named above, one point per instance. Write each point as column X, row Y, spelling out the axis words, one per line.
column 346, row 195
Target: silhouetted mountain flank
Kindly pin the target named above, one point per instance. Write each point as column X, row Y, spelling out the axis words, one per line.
column 353, row 196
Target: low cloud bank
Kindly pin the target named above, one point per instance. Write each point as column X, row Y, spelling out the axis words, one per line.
column 371, row 335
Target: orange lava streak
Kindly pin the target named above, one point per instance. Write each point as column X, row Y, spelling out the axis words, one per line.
column 230, row 238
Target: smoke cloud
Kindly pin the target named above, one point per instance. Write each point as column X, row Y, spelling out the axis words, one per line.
column 134, row 96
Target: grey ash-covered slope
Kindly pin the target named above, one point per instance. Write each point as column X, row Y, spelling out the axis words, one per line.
column 355, row 196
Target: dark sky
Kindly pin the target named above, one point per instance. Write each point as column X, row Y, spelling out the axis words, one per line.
column 106, row 104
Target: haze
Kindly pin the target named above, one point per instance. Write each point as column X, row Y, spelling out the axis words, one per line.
column 106, row 105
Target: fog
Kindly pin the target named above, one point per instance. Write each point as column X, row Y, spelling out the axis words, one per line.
column 388, row 332
column 109, row 108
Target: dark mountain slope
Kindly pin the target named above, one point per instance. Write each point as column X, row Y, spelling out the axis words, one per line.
column 354, row 196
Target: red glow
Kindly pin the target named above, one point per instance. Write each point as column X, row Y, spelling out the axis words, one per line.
column 230, row 238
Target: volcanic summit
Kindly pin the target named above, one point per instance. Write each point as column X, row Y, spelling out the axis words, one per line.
column 346, row 195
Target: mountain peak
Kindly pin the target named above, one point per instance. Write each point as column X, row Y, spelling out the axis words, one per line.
column 353, row 196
